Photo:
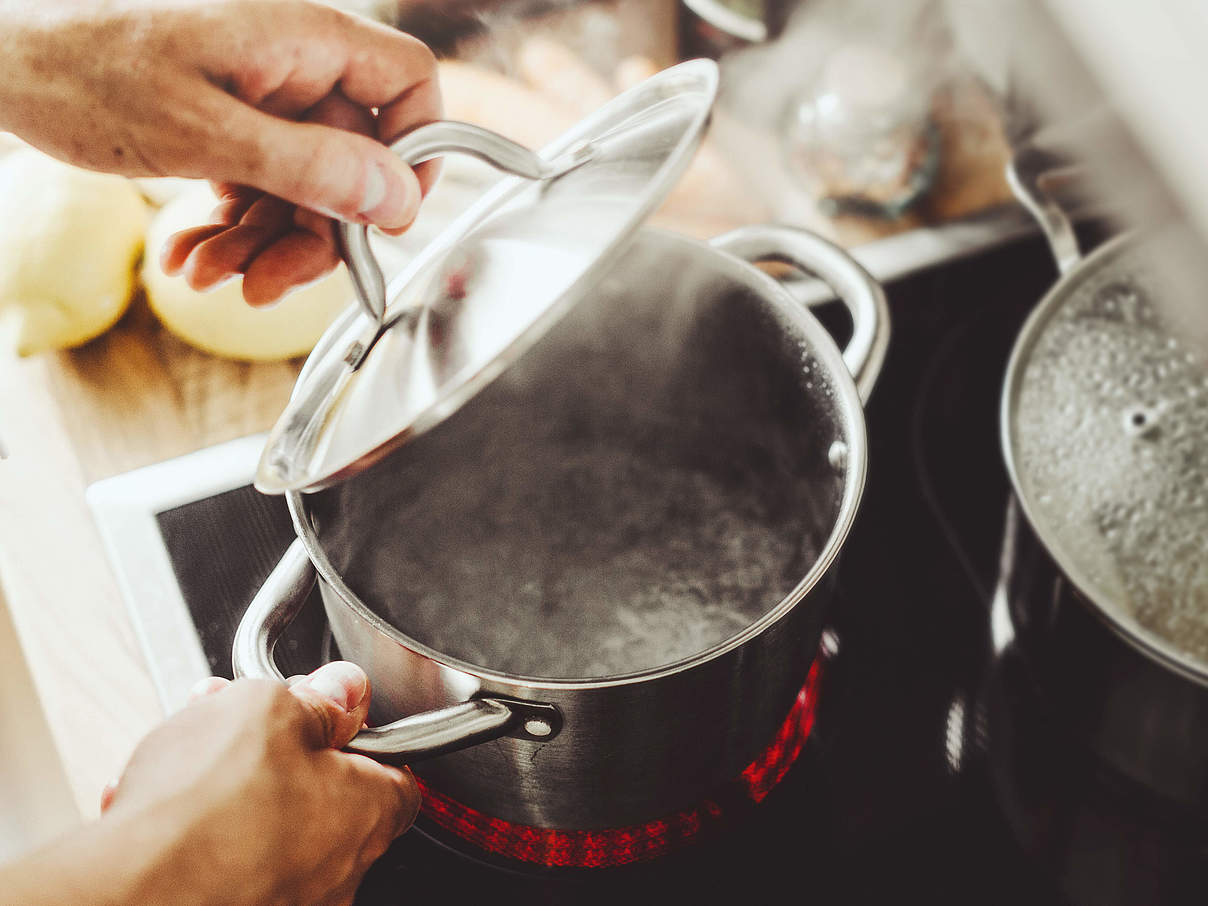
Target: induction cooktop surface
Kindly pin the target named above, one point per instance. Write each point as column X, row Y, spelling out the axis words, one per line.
column 933, row 771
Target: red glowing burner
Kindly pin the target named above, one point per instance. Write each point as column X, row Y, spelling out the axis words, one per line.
column 623, row 845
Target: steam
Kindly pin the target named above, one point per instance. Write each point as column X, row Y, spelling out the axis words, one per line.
column 490, row 34
column 762, row 81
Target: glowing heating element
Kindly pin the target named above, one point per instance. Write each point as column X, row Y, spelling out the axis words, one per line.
column 615, row 846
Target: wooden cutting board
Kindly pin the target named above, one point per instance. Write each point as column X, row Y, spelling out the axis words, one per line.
column 135, row 396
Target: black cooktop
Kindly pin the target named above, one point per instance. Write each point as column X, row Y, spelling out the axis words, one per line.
column 934, row 773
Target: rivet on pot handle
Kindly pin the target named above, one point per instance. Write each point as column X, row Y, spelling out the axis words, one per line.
column 424, row 144
column 409, row 739
column 855, row 287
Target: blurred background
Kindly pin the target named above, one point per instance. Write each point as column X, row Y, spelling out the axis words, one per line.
column 863, row 118
column 858, row 119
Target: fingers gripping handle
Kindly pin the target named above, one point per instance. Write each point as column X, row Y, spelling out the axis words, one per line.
column 855, row 287
column 281, row 598
column 424, row 144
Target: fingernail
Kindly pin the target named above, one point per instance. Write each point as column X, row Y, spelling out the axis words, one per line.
column 418, row 801
column 391, row 200
column 202, row 688
column 340, row 682
column 375, row 189
column 199, row 688
column 107, row 794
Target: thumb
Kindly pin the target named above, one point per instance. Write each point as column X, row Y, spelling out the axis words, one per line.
column 330, row 170
column 337, row 695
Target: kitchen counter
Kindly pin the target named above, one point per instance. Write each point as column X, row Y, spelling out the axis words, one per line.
column 138, row 395
column 135, row 396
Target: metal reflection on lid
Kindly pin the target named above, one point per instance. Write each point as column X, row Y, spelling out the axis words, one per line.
column 487, row 288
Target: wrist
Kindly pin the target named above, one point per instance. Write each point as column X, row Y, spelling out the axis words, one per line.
column 136, row 853
column 21, row 45
column 114, row 861
column 178, row 851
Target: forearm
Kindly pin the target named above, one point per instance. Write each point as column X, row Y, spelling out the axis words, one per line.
column 14, row 63
column 117, row 861
column 33, row 64
column 74, row 83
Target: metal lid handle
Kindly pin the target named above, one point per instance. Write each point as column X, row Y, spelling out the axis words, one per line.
column 424, row 144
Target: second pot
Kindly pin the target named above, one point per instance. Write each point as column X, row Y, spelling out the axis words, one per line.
column 1104, row 578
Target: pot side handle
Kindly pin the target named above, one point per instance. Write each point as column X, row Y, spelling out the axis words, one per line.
column 419, row 736
column 855, row 287
column 1030, row 172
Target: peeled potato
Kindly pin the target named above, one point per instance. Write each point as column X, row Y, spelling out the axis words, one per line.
column 69, row 240
column 219, row 321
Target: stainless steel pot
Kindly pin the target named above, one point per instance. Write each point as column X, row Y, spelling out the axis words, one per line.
column 684, row 348
column 1131, row 685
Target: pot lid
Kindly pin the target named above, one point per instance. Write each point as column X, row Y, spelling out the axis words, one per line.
column 1105, row 419
column 490, row 285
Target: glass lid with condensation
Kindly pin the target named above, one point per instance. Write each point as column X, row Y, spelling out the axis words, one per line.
column 489, row 286
column 1107, row 426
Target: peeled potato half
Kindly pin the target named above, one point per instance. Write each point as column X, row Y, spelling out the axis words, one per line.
column 69, row 240
column 219, row 321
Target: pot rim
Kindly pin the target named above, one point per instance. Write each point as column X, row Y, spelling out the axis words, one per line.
column 850, row 411
column 1129, row 630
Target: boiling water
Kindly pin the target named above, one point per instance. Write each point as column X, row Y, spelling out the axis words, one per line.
column 1111, row 443
column 542, row 549
column 613, row 561
column 609, row 505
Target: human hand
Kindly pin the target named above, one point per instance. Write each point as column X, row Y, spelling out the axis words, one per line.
column 249, row 798
column 285, row 105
